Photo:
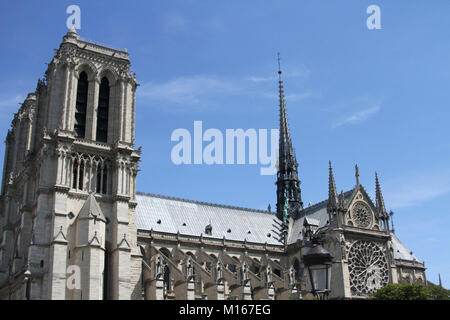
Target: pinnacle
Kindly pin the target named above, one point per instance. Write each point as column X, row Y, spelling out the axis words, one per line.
column 379, row 197
column 73, row 29
column 332, row 193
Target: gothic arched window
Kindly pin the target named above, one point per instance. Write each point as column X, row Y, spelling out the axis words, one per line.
column 81, row 105
column 102, row 178
column 74, row 173
column 77, row 174
column 102, row 113
column 166, row 279
column 81, row 176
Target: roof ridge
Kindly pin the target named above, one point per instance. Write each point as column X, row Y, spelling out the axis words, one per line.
column 203, row 202
column 316, row 204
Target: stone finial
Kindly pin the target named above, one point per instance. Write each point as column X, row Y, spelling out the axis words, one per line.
column 71, row 34
column 73, row 29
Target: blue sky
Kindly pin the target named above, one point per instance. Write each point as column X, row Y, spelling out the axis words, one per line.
column 378, row 98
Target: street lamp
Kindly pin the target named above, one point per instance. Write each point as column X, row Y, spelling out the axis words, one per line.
column 318, row 261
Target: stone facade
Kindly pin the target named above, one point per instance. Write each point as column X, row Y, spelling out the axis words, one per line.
column 69, row 202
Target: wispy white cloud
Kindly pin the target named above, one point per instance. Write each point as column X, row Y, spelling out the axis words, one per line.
column 297, row 72
column 293, row 97
column 299, row 96
column 186, row 90
column 198, row 91
column 417, row 189
column 260, row 79
column 358, row 117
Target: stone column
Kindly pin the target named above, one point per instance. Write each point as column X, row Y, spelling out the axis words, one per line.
column 190, row 290
column 66, row 94
column 58, row 248
column 154, row 289
column 91, row 112
column 121, row 254
column 67, row 108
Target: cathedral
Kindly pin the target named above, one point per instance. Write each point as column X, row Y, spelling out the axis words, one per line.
column 73, row 226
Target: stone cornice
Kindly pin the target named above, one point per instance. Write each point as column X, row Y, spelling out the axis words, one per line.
column 409, row 264
column 144, row 236
column 121, row 197
column 93, row 52
column 367, row 233
column 132, row 204
column 88, row 245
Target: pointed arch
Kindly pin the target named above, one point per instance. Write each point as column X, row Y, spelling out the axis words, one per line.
column 110, row 74
column 166, row 252
column 89, row 68
column 81, row 105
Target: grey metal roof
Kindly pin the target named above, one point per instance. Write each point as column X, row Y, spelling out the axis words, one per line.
column 401, row 252
column 317, row 213
column 191, row 217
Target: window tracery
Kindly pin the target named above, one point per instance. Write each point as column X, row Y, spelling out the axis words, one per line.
column 368, row 267
column 361, row 214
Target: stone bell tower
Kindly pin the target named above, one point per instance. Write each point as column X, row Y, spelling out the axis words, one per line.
column 68, row 192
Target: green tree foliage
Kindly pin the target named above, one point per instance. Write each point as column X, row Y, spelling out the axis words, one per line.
column 438, row 293
column 406, row 291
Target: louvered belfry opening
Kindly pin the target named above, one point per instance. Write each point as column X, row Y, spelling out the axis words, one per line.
column 81, row 105
column 102, row 113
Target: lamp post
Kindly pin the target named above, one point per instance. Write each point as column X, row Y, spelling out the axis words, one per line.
column 318, row 261
column 27, row 280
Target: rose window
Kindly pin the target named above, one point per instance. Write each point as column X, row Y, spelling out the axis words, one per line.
column 361, row 214
column 368, row 268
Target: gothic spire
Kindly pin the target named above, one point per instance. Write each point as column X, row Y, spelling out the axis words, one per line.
column 379, row 198
column 333, row 200
column 288, row 184
column 286, row 153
